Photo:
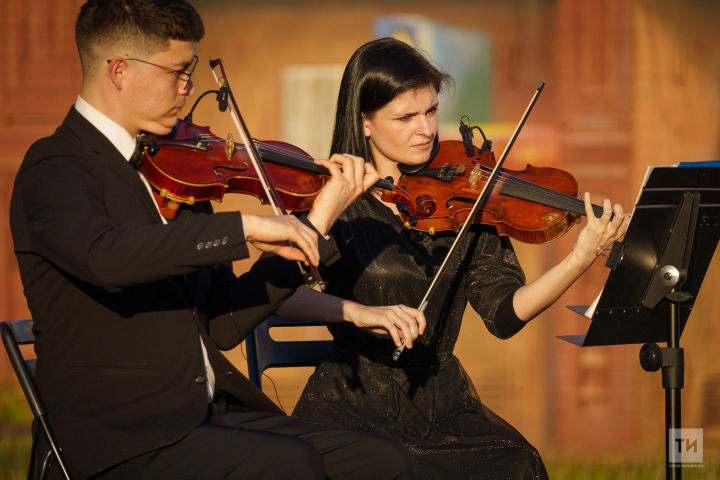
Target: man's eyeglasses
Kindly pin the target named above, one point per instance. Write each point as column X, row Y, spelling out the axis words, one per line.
column 181, row 74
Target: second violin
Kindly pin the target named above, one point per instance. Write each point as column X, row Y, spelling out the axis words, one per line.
column 534, row 205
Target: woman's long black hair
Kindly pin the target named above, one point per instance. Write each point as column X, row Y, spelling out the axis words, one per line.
column 375, row 74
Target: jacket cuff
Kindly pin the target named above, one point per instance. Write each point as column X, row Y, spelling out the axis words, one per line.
column 329, row 252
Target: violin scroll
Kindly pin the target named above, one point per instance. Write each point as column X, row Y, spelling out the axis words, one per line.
column 426, row 204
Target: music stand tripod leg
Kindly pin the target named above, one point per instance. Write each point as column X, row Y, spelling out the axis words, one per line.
column 672, row 361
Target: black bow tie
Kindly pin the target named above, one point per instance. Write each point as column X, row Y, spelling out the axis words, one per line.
column 136, row 157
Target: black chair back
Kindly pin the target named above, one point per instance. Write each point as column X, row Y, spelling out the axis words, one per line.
column 264, row 352
column 19, row 332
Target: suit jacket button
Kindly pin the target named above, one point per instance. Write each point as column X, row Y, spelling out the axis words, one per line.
column 200, row 379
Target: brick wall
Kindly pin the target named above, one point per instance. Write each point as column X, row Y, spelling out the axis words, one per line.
column 39, row 79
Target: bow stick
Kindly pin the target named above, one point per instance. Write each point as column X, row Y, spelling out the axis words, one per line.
column 312, row 278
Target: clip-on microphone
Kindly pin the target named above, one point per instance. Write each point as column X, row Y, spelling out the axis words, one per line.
column 467, row 136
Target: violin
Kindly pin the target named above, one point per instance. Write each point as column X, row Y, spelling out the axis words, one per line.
column 534, row 205
column 194, row 165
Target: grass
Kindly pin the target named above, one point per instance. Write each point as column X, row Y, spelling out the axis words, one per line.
column 15, row 439
column 563, row 469
column 14, row 453
column 15, row 443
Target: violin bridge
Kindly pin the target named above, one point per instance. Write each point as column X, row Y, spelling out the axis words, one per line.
column 475, row 176
column 229, row 146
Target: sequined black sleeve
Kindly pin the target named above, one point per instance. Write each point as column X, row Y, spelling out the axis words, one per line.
column 491, row 280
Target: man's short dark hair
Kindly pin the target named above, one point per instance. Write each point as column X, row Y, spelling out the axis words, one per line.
column 139, row 25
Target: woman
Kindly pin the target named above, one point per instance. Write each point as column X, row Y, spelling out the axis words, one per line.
column 387, row 112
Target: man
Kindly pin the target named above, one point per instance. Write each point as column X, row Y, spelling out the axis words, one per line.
column 130, row 310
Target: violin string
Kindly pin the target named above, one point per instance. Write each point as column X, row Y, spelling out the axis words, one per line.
column 559, row 199
column 266, row 148
column 562, row 200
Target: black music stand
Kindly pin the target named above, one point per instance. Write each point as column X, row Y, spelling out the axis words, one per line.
column 656, row 273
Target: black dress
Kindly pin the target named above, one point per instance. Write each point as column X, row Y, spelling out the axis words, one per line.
column 425, row 400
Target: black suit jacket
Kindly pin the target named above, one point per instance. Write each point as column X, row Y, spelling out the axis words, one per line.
column 119, row 300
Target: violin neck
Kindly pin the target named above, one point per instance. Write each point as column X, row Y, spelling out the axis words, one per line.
column 524, row 190
column 275, row 155
column 278, row 156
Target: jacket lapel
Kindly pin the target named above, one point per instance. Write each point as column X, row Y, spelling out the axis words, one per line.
column 105, row 152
